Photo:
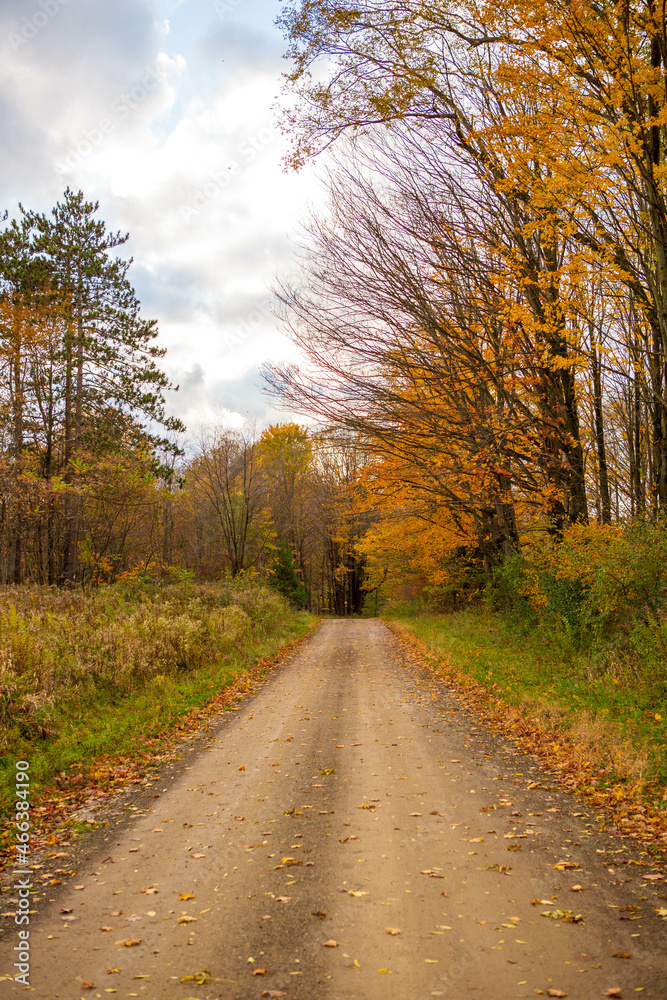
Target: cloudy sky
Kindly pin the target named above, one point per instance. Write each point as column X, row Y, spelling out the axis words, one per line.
column 163, row 111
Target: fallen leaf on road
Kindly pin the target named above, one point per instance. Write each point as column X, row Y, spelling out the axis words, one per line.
column 199, row 977
column 562, row 865
column 197, row 855
column 242, row 767
column 106, row 928
column 357, row 892
column 319, row 914
column 415, row 814
column 330, row 944
column 576, row 888
column 283, row 899
column 392, row 930
column 431, row 873
column 88, row 986
column 259, row 972
column 620, row 954
column 662, row 912
column 556, row 993
column 186, row 895
column 150, row 891
column 273, row 993
column 186, row 920
column 130, row 943
column 614, row 991
column 566, row 915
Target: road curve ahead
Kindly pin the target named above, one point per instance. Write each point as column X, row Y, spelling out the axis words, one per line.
column 351, row 834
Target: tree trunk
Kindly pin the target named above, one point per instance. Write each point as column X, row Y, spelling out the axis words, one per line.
column 605, row 499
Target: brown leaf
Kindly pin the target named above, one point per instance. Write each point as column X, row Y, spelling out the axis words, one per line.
column 319, row 914
column 556, row 993
column 150, row 891
column 620, row 954
column 613, row 991
column 415, row 814
column 88, row 986
column 431, row 873
column 259, row 972
column 106, row 928
column 283, row 899
column 273, row 993
column 330, row 944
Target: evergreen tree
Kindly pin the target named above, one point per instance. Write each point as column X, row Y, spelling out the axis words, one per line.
column 284, row 577
column 95, row 387
column 109, row 350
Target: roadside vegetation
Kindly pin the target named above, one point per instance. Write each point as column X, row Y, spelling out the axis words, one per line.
column 573, row 636
column 86, row 674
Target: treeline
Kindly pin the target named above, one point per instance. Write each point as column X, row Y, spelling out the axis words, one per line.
column 485, row 302
column 284, row 504
column 97, row 483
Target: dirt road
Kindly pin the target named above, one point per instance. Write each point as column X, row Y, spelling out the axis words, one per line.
column 346, row 804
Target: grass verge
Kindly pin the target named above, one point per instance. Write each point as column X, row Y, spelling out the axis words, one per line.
column 86, row 677
column 601, row 737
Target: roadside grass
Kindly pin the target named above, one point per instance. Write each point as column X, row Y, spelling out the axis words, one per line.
column 618, row 718
column 84, row 676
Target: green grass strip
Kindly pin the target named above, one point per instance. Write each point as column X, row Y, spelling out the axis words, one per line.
column 96, row 721
column 620, row 717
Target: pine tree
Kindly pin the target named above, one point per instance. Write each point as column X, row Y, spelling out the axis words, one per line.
column 284, row 577
column 110, row 358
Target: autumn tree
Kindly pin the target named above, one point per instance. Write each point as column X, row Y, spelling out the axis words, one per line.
column 233, row 526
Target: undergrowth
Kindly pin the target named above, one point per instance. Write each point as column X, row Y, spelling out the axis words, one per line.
column 88, row 674
column 619, row 716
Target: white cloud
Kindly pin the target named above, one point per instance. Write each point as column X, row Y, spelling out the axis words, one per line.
column 165, row 113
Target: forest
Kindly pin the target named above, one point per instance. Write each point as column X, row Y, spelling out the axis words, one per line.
column 482, row 316
column 99, row 485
